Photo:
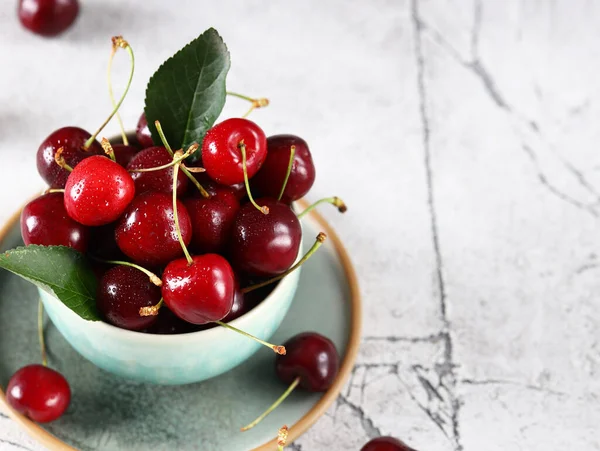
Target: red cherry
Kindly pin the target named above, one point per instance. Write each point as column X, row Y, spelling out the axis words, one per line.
column 48, row 17
column 200, row 292
column 98, row 191
column 212, row 220
column 124, row 154
column 265, row 245
column 142, row 132
column 39, row 393
column 269, row 180
column 221, row 155
column 162, row 180
column 310, row 357
column 386, row 444
column 146, row 231
column 45, row 221
column 122, row 292
column 72, row 140
column 213, row 188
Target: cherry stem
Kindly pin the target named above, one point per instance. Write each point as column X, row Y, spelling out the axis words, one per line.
column 153, row 277
column 336, row 201
column 108, row 150
column 60, row 160
column 118, row 41
column 289, row 171
column 282, row 436
column 256, row 103
column 112, row 94
column 176, row 215
column 264, row 209
column 41, row 332
column 53, row 190
column 189, row 175
column 152, row 310
column 175, row 161
column 321, row 237
column 276, row 404
column 278, row 349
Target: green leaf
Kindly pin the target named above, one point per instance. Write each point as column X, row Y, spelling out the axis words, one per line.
column 58, row 270
column 187, row 92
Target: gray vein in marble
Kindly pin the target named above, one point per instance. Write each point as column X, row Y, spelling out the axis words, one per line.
column 513, row 383
column 436, row 338
column 16, row 445
column 367, row 424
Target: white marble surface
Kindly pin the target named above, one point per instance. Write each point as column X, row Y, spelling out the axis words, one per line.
column 464, row 136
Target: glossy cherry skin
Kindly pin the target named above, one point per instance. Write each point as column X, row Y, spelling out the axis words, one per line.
column 48, row 17
column 311, row 357
column 265, row 245
column 124, row 154
column 98, row 191
column 45, row 221
column 386, row 444
column 161, row 181
column 201, row 292
column 72, row 140
column 213, row 188
column 269, row 180
column 122, row 291
column 212, row 221
column 142, row 132
column 146, row 232
column 39, row 393
column 221, row 156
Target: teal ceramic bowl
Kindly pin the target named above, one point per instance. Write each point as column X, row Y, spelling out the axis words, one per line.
column 172, row 359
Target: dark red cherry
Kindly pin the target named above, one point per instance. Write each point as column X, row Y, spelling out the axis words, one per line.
column 98, row 191
column 221, row 155
column 242, row 304
column 48, row 17
column 212, row 220
column 39, row 393
column 103, row 244
column 124, row 154
column 170, row 324
column 72, row 140
column 45, row 221
column 200, row 292
column 265, row 245
column 214, row 188
column 161, row 181
column 142, row 132
column 269, row 180
column 310, row 357
column 122, row 291
column 386, row 444
column 146, row 231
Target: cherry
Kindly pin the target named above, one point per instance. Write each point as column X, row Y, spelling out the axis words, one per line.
column 142, row 132
column 161, row 180
column 200, row 291
column 386, row 444
column 98, row 191
column 39, row 393
column 265, row 245
column 212, row 220
column 72, row 140
column 48, row 17
column 146, row 232
column 122, row 292
column 124, row 153
column 102, row 243
column 214, row 189
column 222, row 153
column 45, row 221
column 271, row 177
column 170, row 324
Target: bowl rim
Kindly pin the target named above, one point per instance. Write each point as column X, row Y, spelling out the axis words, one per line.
column 303, row 424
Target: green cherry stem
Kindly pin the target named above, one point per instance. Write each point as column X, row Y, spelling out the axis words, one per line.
column 153, row 277
column 264, row 209
column 335, row 201
column 60, row 160
column 41, row 332
column 108, row 150
column 255, row 103
column 189, row 175
column 119, row 42
column 111, row 94
column 289, row 171
column 276, row 404
column 175, row 161
column 278, row 349
column 321, row 237
column 152, row 310
column 54, row 190
column 176, row 215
